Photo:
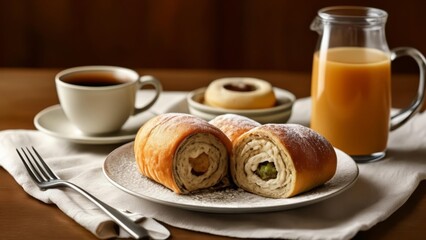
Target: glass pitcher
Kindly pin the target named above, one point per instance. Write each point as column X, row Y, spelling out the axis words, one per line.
column 351, row 81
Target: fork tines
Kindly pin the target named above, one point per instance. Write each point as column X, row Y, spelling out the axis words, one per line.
column 35, row 165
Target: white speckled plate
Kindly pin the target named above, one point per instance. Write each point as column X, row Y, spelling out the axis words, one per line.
column 121, row 170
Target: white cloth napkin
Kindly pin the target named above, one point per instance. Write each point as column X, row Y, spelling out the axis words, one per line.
column 381, row 189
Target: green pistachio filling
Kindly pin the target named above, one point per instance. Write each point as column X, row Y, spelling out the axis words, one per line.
column 266, row 171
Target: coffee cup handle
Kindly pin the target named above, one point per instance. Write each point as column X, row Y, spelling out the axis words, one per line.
column 404, row 115
column 149, row 80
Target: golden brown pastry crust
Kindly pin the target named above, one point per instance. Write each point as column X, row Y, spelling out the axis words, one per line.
column 310, row 159
column 233, row 125
column 158, row 140
column 260, row 94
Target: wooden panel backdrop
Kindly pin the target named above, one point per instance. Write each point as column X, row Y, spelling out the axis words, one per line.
column 214, row 34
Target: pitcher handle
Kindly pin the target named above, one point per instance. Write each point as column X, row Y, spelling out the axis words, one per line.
column 404, row 115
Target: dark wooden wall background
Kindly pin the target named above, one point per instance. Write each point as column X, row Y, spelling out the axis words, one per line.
column 212, row 34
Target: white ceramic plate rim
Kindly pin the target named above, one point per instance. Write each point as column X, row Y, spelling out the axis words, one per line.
column 122, row 159
column 44, row 122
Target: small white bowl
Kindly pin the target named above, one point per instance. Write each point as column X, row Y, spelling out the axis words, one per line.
column 277, row 114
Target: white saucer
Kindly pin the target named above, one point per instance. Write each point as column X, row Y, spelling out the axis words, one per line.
column 53, row 121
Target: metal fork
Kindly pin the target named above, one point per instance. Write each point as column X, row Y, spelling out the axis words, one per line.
column 45, row 178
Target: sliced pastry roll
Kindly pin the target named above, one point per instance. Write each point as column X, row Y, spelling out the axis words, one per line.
column 281, row 160
column 233, row 125
column 182, row 152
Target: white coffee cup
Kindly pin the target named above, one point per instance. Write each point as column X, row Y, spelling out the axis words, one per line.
column 99, row 99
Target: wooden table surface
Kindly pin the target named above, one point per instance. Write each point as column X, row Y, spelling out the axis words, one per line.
column 25, row 92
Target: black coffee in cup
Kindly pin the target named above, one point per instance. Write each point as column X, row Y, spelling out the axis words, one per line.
column 94, row 79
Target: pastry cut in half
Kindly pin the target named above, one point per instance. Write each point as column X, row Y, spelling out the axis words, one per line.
column 281, row 160
column 182, row 152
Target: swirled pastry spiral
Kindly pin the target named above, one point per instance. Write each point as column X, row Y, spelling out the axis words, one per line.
column 281, row 160
column 182, row 152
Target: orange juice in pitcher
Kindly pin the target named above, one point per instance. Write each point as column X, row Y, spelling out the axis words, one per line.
column 351, row 92
column 351, row 81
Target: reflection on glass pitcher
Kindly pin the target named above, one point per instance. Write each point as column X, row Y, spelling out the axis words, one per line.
column 351, row 81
